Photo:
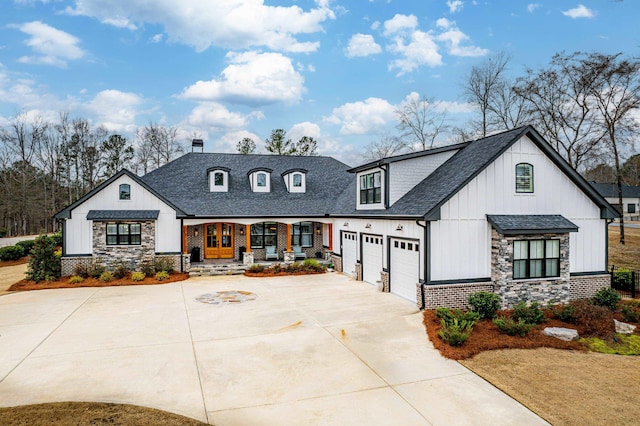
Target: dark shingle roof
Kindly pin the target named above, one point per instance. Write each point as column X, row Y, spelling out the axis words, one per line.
column 123, row 214
column 185, row 182
column 611, row 190
column 531, row 224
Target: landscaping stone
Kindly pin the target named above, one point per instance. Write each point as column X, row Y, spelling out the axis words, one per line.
column 623, row 327
column 566, row 334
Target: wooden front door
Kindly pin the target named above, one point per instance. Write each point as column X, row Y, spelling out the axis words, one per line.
column 218, row 241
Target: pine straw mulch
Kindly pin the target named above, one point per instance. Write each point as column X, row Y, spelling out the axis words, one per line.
column 280, row 274
column 20, row 261
column 26, row 285
column 486, row 336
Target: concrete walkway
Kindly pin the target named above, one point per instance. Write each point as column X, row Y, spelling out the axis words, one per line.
column 9, row 275
column 319, row 349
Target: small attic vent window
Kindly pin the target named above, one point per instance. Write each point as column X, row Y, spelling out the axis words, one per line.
column 262, row 179
column 294, row 179
column 297, row 180
column 125, row 191
column 218, row 179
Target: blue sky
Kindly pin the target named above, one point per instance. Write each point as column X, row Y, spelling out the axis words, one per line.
column 228, row 69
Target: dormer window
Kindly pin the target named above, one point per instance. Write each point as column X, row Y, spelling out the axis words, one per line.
column 371, row 188
column 218, row 179
column 524, row 178
column 260, row 180
column 295, row 180
column 125, row 191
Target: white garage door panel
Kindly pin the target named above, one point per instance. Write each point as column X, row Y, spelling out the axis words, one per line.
column 404, row 268
column 371, row 258
column 349, row 252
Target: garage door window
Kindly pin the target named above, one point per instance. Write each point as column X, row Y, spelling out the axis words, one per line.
column 403, row 245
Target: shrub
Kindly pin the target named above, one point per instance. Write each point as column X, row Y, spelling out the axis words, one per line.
column 630, row 314
column 164, row 263
column 148, row 267
column 4, row 232
column 485, row 303
column 513, row 328
column 81, row 270
column 162, row 275
column 106, row 277
column 529, row 314
column 120, row 269
column 312, row 265
column 96, row 268
column 27, row 246
column 57, row 239
column 622, row 278
column 256, row 268
column 44, row 264
column 11, row 252
column 75, row 279
column 448, row 315
column 564, row 312
column 595, row 320
column 455, row 333
column 606, row 297
column 138, row 276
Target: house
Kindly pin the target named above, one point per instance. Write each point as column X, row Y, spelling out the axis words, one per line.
column 630, row 198
column 504, row 214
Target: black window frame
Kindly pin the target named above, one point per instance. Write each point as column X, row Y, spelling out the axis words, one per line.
column 124, row 235
column 299, row 183
column 259, row 235
column 261, row 184
column 631, row 208
column 297, row 234
column 124, row 191
column 544, row 261
column 520, row 179
column 215, row 178
column 369, row 192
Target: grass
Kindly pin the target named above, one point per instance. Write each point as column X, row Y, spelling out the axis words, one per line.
column 627, row 255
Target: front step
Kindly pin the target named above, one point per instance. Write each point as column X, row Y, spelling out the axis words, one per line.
column 213, row 270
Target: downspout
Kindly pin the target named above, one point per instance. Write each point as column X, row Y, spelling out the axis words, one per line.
column 606, row 245
column 386, row 184
column 427, row 256
column 181, row 244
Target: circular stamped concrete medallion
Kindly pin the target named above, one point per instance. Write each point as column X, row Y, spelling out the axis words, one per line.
column 230, row 296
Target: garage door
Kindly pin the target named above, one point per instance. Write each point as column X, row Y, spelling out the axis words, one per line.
column 349, row 252
column 404, row 268
column 371, row 258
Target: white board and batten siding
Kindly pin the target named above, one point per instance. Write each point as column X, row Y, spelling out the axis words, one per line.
column 461, row 239
column 79, row 233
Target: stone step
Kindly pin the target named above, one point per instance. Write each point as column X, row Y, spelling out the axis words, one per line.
column 212, row 270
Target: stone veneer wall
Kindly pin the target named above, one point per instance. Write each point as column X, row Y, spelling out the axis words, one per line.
column 359, row 271
column 585, row 286
column 384, row 279
column 337, row 262
column 543, row 290
column 449, row 295
column 131, row 255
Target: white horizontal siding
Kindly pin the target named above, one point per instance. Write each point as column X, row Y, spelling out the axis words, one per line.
column 79, row 235
column 461, row 240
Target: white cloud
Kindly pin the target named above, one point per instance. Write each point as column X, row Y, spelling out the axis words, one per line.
column 455, row 5
column 229, row 141
column 157, row 38
column 375, row 25
column 52, row 46
column 252, row 78
column 305, row 128
column 399, row 23
column 581, row 11
column 454, row 38
column 116, row 110
column 416, row 50
column 214, row 116
column 444, row 23
column 531, row 7
column 357, row 118
column 362, row 45
column 233, row 24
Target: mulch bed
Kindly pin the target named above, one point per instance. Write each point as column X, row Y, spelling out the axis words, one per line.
column 279, row 274
column 63, row 282
column 486, row 336
column 20, row 261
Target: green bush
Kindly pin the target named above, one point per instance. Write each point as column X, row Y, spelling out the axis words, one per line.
column 163, row 263
column 147, row 266
column 485, row 303
column 75, row 279
column 529, row 314
column 11, row 252
column 162, row 275
column 4, row 232
column 96, row 268
column 256, row 268
column 81, row 270
column 606, row 297
column 449, row 315
column 138, row 276
column 44, row 264
column 57, row 239
column 455, row 333
column 120, row 269
column 630, row 314
column 312, row 265
column 564, row 312
column 513, row 328
column 622, row 278
column 106, row 277
column 27, row 246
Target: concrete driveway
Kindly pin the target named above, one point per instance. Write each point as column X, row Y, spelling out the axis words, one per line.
column 319, row 349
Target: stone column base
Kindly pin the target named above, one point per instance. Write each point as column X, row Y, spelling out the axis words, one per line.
column 247, row 258
column 289, row 257
column 359, row 271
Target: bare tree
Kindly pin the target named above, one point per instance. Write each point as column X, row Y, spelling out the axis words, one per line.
column 385, row 146
column 157, row 145
column 420, row 121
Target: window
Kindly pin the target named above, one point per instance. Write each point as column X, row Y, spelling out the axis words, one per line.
column 264, row 234
column 370, row 188
column 125, row 234
column 297, row 180
column 262, row 179
column 524, row 178
column 631, row 208
column 218, row 179
column 302, row 234
column 536, row 259
column 125, row 191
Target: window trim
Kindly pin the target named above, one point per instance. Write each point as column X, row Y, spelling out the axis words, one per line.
column 261, row 184
column 528, row 260
column 530, row 188
column 120, row 236
column 263, row 234
column 631, row 208
column 298, row 227
column 373, row 194
column 122, row 194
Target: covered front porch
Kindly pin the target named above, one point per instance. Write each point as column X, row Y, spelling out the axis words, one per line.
column 211, row 240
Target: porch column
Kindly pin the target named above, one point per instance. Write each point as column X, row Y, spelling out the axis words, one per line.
column 184, row 240
column 331, row 237
column 247, row 236
column 288, row 237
